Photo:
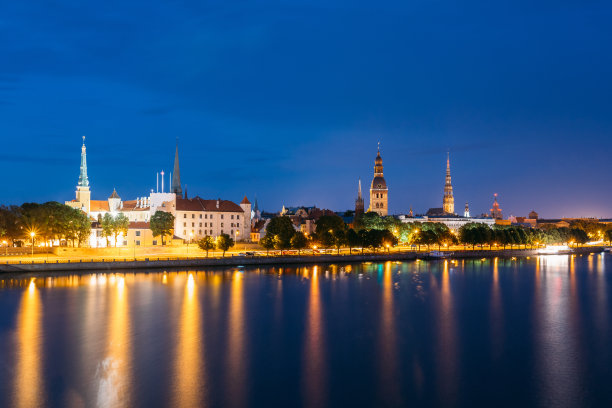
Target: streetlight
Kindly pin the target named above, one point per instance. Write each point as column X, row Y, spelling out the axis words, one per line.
column 5, row 247
column 32, row 234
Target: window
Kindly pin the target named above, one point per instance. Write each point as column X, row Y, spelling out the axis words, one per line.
column 184, row 215
column 184, row 232
column 154, row 242
column 221, row 216
column 200, row 216
column 232, row 232
column 184, row 224
column 232, row 216
column 221, row 225
column 200, row 224
column 192, row 215
column 193, row 224
column 199, row 232
column 211, row 232
column 238, row 217
column 237, row 225
column 137, row 233
column 232, row 225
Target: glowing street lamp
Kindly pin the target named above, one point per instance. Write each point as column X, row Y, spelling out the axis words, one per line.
column 32, row 234
column 5, row 247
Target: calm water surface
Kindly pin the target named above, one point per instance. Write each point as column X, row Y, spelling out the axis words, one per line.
column 531, row 332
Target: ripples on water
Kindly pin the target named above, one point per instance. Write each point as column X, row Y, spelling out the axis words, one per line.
column 530, row 332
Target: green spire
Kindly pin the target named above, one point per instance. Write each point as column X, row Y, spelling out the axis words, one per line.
column 83, row 180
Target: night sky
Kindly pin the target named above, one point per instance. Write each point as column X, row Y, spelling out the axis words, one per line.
column 287, row 100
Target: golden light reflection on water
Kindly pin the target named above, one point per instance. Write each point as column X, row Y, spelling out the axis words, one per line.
column 314, row 375
column 114, row 371
column 388, row 359
column 447, row 340
column 28, row 391
column 236, row 353
column 557, row 348
column 189, row 374
column 496, row 313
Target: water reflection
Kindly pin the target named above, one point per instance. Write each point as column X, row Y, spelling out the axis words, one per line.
column 114, row 372
column 496, row 313
column 447, row 341
column 558, row 351
column 389, row 385
column 236, row 380
column 189, row 375
column 314, row 376
column 29, row 387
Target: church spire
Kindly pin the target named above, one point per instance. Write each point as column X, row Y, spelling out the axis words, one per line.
column 176, row 177
column 83, row 180
column 359, row 204
column 448, row 202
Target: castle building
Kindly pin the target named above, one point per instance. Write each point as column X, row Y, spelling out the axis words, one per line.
column 379, row 192
column 359, row 205
column 194, row 218
column 448, row 201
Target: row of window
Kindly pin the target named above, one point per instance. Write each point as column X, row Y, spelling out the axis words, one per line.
column 379, row 195
column 206, row 216
column 205, row 225
column 200, row 233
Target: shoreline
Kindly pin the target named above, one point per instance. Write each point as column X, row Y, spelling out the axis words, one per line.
column 169, row 263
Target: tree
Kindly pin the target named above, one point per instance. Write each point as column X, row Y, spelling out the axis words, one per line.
column 206, row 244
column 339, row 238
column 388, row 239
column 121, row 224
column 299, row 241
column 281, row 230
column 329, row 223
column 608, row 236
column 162, row 223
column 107, row 226
column 352, row 239
column 579, row 236
column 9, row 223
column 224, row 242
column 267, row 242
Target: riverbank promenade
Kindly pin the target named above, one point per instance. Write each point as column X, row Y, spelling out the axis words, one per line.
column 49, row 262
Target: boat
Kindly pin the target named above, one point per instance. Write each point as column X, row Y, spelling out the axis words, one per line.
column 439, row 254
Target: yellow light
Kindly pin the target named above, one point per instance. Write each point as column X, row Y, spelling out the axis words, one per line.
column 315, row 247
column 32, row 234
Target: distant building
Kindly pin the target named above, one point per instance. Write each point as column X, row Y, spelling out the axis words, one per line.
column 496, row 212
column 453, row 222
column 359, row 205
column 448, row 201
column 379, row 192
column 466, row 212
column 533, row 215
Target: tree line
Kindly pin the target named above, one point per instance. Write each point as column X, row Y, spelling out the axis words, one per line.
column 49, row 221
column 372, row 231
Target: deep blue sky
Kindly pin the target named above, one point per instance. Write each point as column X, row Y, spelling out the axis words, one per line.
column 287, row 100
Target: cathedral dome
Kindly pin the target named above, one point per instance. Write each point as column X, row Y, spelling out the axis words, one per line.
column 379, row 182
column 378, row 160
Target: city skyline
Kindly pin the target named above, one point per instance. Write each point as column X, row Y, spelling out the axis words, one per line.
column 278, row 102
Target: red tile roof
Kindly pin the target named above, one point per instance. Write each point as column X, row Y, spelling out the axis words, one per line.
column 199, row 204
column 139, row 225
column 98, row 205
column 245, row 200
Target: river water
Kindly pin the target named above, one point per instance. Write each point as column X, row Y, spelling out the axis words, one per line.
column 471, row 333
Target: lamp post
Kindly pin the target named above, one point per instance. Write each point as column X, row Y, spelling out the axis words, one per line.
column 32, row 234
column 5, row 247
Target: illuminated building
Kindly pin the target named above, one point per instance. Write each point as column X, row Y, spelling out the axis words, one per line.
column 194, row 218
column 448, row 201
column 379, row 192
column 496, row 212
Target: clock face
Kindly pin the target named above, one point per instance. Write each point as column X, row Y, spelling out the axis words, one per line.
column 380, row 185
